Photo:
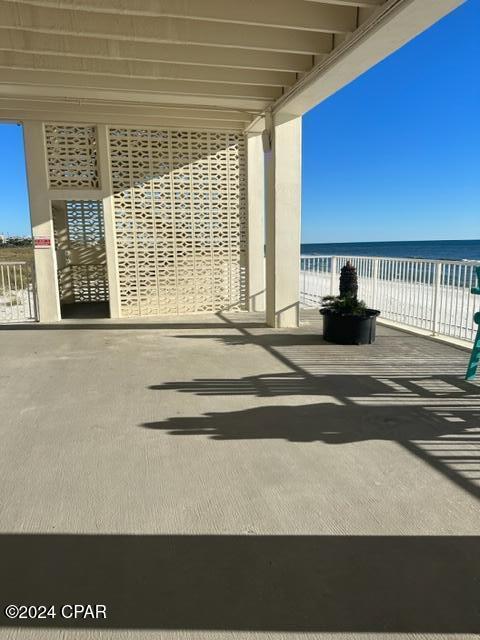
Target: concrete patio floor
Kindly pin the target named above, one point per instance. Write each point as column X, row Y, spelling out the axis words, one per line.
column 207, row 477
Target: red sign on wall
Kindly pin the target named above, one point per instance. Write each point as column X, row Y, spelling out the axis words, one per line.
column 42, row 242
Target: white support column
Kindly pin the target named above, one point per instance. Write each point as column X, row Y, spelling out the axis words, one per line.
column 42, row 222
column 103, row 146
column 256, row 222
column 284, row 176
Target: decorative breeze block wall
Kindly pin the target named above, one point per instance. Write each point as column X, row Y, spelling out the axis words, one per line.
column 180, row 220
column 71, row 156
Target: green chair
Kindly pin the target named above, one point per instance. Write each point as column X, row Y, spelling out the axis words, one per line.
column 475, row 357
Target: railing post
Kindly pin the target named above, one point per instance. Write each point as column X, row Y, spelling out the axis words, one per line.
column 374, row 284
column 303, row 293
column 32, row 296
column 436, row 298
column 333, row 280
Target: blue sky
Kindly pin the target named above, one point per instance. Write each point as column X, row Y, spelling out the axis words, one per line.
column 393, row 156
column 14, row 211
column 396, row 154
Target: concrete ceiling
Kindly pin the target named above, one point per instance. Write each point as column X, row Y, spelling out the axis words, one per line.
column 212, row 63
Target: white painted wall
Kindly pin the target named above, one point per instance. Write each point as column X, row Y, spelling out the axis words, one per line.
column 284, row 189
column 256, row 222
column 42, row 223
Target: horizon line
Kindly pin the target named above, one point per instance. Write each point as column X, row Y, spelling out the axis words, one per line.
column 393, row 241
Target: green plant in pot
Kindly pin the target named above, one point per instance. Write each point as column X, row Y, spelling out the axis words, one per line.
column 347, row 320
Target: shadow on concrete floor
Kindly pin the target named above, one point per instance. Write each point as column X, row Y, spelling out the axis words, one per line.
column 96, row 316
column 85, row 310
column 123, row 326
column 364, row 393
column 442, row 430
column 356, row 584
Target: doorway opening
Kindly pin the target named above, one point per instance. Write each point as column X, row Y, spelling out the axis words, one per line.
column 81, row 260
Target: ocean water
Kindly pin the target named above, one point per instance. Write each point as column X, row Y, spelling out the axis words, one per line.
column 426, row 249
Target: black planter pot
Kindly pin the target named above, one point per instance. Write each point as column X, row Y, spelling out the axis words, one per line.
column 349, row 329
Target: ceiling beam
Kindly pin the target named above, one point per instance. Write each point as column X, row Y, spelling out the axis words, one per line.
column 167, row 30
column 87, row 47
column 396, row 23
column 16, row 115
column 145, row 70
column 185, row 87
column 350, row 3
column 292, row 14
column 123, row 110
column 252, row 106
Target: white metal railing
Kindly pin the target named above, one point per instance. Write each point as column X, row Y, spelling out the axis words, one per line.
column 433, row 295
column 17, row 292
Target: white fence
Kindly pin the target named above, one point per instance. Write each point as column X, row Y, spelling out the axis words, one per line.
column 17, row 292
column 433, row 295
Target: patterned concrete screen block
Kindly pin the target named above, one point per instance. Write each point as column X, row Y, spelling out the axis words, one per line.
column 71, row 156
column 89, row 283
column 180, row 219
column 85, row 224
